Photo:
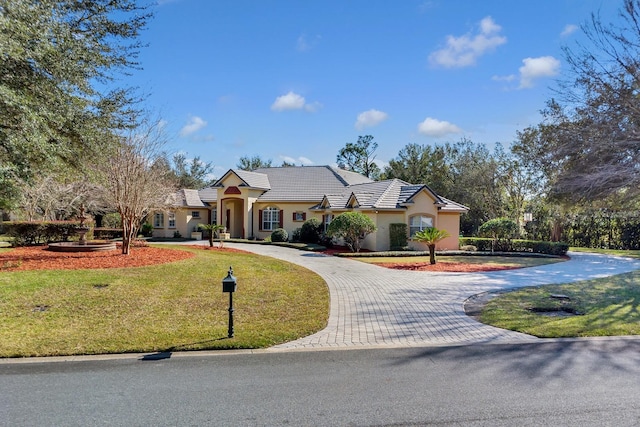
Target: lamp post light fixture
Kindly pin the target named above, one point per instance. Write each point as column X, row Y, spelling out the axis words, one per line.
column 229, row 284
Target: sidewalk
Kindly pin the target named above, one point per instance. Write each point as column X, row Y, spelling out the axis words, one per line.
column 375, row 306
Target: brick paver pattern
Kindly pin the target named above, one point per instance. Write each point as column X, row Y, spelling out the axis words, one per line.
column 375, row 306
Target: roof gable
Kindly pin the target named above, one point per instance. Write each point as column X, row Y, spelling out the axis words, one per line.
column 247, row 178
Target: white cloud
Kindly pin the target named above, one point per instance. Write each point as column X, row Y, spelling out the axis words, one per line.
column 568, row 30
column 509, row 78
column 434, row 127
column 464, row 51
column 305, row 161
column 370, row 118
column 300, row 160
column 536, row 68
column 293, row 101
column 304, row 43
column 194, row 125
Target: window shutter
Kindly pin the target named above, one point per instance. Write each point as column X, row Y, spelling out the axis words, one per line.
column 281, row 218
column 260, row 219
column 304, row 216
column 294, row 217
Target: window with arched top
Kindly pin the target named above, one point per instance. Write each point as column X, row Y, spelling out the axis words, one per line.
column 270, row 218
column 419, row 223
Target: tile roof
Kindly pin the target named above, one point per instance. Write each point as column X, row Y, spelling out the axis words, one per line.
column 188, row 198
column 254, row 179
column 307, row 183
column 332, row 186
column 209, row 194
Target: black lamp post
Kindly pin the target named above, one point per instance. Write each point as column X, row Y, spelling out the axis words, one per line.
column 229, row 284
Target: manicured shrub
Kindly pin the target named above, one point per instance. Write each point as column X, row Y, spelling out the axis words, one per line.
column 397, row 236
column 295, row 236
column 311, row 231
column 352, row 227
column 516, row 245
column 38, row 232
column 279, row 235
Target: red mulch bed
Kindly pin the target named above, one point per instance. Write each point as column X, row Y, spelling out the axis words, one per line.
column 39, row 258
column 453, row 267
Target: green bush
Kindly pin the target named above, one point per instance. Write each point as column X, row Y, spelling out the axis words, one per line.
column 112, row 220
column 39, row 232
column 311, row 231
column 295, row 236
column 146, row 229
column 104, row 233
column 516, row 245
column 397, row 236
column 279, row 235
column 352, row 228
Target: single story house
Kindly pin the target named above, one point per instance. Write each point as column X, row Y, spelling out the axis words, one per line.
column 253, row 204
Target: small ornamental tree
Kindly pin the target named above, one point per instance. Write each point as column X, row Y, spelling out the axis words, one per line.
column 213, row 229
column 498, row 228
column 431, row 236
column 352, row 227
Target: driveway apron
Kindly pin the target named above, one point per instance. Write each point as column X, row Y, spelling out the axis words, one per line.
column 376, row 306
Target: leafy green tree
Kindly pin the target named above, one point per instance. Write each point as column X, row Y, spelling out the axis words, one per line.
column 252, row 163
column 352, row 227
column 192, row 174
column 359, row 157
column 499, row 228
column 57, row 56
column 422, row 164
column 431, row 236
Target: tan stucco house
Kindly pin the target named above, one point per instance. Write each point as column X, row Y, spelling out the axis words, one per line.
column 253, row 204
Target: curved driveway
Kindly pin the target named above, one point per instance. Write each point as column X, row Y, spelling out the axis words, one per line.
column 376, row 306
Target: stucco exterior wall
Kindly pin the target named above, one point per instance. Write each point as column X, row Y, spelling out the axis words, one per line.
column 383, row 219
column 288, row 223
column 185, row 222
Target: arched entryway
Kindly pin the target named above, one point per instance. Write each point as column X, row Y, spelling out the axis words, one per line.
column 232, row 217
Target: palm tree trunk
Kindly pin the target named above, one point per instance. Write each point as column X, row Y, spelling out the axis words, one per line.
column 432, row 254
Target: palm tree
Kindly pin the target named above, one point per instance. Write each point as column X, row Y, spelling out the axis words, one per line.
column 431, row 236
column 212, row 229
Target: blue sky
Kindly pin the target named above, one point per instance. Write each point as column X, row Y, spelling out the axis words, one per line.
column 297, row 80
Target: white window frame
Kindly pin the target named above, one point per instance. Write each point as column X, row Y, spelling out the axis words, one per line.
column 327, row 220
column 195, row 214
column 171, row 218
column 270, row 218
column 158, row 220
column 214, row 215
column 423, row 222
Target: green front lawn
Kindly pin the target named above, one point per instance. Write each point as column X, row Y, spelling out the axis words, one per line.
column 620, row 252
column 601, row 307
column 170, row 307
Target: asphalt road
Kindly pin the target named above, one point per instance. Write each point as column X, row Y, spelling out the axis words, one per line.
column 579, row 382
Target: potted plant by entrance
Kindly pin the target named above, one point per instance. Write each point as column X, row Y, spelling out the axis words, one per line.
column 195, row 234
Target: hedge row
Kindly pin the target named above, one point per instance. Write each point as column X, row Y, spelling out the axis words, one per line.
column 516, row 245
column 105, row 233
column 38, row 232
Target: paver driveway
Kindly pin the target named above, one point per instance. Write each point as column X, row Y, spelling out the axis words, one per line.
column 376, row 306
